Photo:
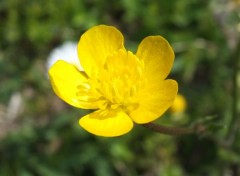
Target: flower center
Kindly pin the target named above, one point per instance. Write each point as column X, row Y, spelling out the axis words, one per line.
column 117, row 83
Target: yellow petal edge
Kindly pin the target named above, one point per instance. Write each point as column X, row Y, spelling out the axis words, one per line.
column 158, row 56
column 65, row 78
column 96, row 44
column 154, row 101
column 107, row 123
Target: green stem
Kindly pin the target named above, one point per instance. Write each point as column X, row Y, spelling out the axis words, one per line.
column 235, row 120
column 173, row 130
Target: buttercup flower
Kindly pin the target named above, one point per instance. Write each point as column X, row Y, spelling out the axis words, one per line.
column 179, row 104
column 121, row 86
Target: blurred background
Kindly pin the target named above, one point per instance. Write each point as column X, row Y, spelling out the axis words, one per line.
column 39, row 133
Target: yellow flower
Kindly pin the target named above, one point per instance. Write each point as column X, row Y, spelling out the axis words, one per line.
column 123, row 87
column 179, row 105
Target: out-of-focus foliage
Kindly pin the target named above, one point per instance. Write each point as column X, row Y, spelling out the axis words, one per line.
column 40, row 134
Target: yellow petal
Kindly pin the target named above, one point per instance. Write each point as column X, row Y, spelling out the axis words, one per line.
column 65, row 79
column 96, row 45
column 157, row 55
column 154, row 100
column 107, row 123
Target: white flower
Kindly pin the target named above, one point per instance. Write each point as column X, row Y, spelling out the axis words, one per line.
column 67, row 52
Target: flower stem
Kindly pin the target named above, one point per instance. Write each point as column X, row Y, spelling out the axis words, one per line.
column 235, row 120
column 173, row 130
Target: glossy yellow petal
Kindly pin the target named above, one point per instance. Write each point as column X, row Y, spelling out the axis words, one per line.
column 96, row 45
column 157, row 55
column 65, row 80
column 107, row 123
column 154, row 100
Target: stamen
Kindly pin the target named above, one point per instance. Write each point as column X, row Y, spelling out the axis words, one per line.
column 115, row 106
column 116, row 84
